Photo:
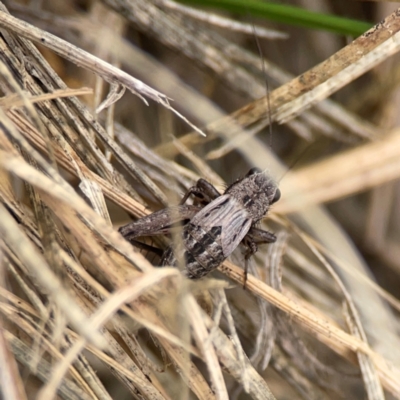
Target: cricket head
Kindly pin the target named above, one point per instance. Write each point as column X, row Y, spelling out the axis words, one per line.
column 255, row 192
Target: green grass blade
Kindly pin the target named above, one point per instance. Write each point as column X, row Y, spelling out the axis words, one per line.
column 287, row 14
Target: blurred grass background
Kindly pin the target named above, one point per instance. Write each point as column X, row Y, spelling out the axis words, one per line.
column 208, row 67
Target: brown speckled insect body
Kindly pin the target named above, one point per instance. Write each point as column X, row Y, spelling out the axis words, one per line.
column 211, row 233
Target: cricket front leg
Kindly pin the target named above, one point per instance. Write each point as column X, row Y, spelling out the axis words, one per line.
column 254, row 237
column 159, row 222
column 203, row 191
column 260, row 236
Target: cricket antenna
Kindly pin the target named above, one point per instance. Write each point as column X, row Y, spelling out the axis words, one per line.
column 296, row 160
column 269, row 115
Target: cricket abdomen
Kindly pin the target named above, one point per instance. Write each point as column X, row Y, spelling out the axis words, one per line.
column 202, row 252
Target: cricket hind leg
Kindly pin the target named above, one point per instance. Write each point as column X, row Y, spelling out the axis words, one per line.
column 149, row 251
column 254, row 237
column 204, row 191
column 159, row 222
column 147, row 247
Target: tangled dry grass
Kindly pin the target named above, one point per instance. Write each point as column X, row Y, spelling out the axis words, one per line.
column 84, row 315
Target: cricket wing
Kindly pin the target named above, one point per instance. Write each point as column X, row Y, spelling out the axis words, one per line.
column 234, row 220
column 234, row 231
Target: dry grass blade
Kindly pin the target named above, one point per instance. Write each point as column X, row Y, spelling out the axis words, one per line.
column 79, row 57
column 323, row 329
column 124, row 295
column 13, row 164
column 25, row 356
column 370, row 376
column 10, row 379
column 371, row 165
column 202, row 338
column 93, row 192
column 16, row 101
column 88, row 61
column 257, row 387
column 70, row 161
column 318, row 83
column 285, row 96
column 19, row 244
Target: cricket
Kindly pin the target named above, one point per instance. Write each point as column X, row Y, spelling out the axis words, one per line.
column 215, row 225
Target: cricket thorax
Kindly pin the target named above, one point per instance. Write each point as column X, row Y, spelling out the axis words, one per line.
column 255, row 192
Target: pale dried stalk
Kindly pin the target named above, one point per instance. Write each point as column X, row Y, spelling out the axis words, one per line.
column 112, row 359
column 20, row 244
column 344, row 266
column 11, row 383
column 333, row 115
column 369, row 373
column 226, row 351
column 69, row 160
column 60, row 190
column 284, row 98
column 79, row 57
column 346, row 75
column 135, row 317
column 352, row 53
column 93, row 192
column 347, row 173
column 201, row 335
column 372, row 384
column 24, row 354
column 24, row 318
column 98, row 319
column 16, row 101
column 86, row 60
column 324, row 330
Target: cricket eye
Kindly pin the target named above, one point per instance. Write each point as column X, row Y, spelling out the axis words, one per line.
column 254, row 171
column 277, row 196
